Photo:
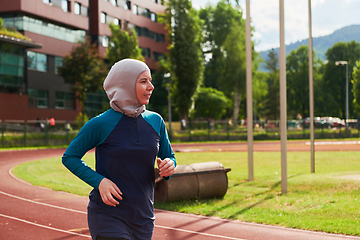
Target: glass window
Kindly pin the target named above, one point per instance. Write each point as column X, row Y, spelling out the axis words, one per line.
column 77, row 8
column 64, row 100
column 58, row 63
column 103, row 17
column 153, row 17
column 65, row 6
column 127, row 5
column 31, row 60
column 37, row 98
column 84, row 11
column 145, row 52
column 45, row 28
column 114, row 3
column 135, row 9
column 117, row 22
column 37, row 61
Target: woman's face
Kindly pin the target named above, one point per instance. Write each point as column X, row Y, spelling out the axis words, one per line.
column 144, row 87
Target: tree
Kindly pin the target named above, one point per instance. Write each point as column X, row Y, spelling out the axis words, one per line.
column 217, row 22
column 210, row 103
column 225, row 69
column 272, row 102
column 185, row 52
column 85, row 70
column 122, row 44
column 334, row 79
column 235, row 65
column 297, row 81
column 356, row 87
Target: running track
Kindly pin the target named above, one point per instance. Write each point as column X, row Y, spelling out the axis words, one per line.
column 29, row 212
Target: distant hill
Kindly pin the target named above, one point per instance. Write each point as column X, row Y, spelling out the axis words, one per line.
column 321, row 44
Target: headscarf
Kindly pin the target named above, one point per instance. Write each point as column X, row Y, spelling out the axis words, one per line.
column 120, row 86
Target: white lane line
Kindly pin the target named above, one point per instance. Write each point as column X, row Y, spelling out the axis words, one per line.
column 199, row 233
column 44, row 226
column 41, row 203
column 72, row 210
column 334, row 143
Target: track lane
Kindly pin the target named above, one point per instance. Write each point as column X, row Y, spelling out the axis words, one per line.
column 29, row 212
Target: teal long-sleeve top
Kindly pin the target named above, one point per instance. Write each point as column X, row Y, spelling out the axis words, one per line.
column 125, row 151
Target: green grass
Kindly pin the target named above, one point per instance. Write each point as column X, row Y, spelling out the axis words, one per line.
column 321, row 201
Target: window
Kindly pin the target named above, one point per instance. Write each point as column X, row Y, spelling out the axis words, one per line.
column 153, row 17
column 114, row 3
column 58, row 63
column 104, row 40
column 95, row 103
column 38, row 98
column 64, row 100
column 84, row 11
column 11, row 65
column 103, row 17
column 135, row 9
column 25, row 23
column 77, row 8
column 65, row 6
column 145, row 52
column 127, row 5
column 117, row 22
column 37, row 61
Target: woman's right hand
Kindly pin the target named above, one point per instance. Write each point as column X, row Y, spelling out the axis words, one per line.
column 108, row 190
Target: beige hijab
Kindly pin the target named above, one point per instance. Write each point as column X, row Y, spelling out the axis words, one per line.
column 120, row 86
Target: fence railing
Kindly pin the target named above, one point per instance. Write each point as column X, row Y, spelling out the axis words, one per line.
column 32, row 133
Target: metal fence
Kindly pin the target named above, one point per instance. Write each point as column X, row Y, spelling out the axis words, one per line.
column 210, row 130
column 32, row 133
column 17, row 133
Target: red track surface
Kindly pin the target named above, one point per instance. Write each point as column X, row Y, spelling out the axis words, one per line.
column 29, row 212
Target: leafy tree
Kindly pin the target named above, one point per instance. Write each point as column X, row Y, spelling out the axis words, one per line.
column 356, row 87
column 210, row 103
column 225, row 69
column 334, row 79
column 185, row 52
column 272, row 101
column 297, row 81
column 297, row 77
column 217, row 22
column 235, row 65
column 85, row 70
column 122, row 44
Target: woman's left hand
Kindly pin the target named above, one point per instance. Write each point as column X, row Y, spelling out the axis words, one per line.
column 166, row 167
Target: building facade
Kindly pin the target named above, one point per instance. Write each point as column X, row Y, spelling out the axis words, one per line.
column 57, row 26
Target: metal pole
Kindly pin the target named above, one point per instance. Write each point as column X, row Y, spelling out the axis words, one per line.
column 169, row 108
column 347, row 98
column 249, row 98
column 311, row 95
column 283, row 113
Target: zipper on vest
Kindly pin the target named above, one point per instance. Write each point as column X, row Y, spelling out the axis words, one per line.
column 136, row 132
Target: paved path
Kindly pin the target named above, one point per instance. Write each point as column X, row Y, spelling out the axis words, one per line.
column 29, row 212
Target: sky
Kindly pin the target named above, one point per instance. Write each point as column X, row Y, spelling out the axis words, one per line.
column 327, row 16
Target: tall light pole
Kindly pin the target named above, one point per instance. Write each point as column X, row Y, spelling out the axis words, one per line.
column 347, row 91
column 167, row 76
column 249, row 98
column 311, row 93
column 283, row 112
